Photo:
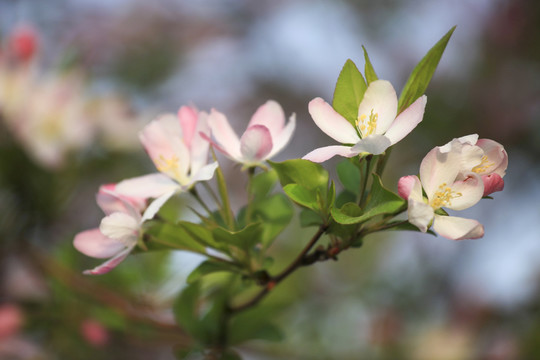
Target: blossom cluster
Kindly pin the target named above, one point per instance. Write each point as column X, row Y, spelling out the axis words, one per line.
column 454, row 176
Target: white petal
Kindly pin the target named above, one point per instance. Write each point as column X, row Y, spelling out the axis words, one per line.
column 271, row 116
column 120, row 226
column 283, row 138
column 148, row 186
column 407, row 120
column 372, row 144
column 332, row 123
column 256, row 143
column 93, row 243
column 109, row 264
column 467, row 139
column 420, row 214
column 456, row 228
column 439, row 168
column 199, row 145
column 322, row 154
column 205, row 173
column 468, row 192
column 380, row 97
column 225, row 136
column 154, row 207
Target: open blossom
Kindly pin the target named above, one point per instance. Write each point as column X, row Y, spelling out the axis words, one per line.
column 445, row 187
column 178, row 150
column 119, row 230
column 265, row 136
column 491, row 160
column 377, row 126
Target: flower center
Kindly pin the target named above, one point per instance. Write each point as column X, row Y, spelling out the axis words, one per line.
column 367, row 125
column 483, row 166
column 443, row 197
column 171, row 167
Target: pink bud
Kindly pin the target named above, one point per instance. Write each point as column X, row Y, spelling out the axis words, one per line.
column 94, row 333
column 492, row 183
column 11, row 320
column 23, row 43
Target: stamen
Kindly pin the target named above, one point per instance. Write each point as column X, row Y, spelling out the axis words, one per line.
column 483, row 166
column 366, row 125
column 444, row 196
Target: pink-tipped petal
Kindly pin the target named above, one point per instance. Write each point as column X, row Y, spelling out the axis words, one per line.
column 200, row 145
column 492, row 183
column 271, row 116
column 109, row 264
column 410, row 186
column 332, row 123
column 322, row 154
column 456, row 228
column 188, row 121
column 93, row 243
column 465, row 193
column 419, row 214
column 380, row 97
column 224, row 135
column 407, row 120
column 256, row 143
column 372, row 144
column 283, row 138
column 147, row 186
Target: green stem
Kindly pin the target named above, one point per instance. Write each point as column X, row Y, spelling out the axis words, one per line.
column 195, row 194
column 226, row 210
column 210, row 191
column 365, row 171
column 250, row 195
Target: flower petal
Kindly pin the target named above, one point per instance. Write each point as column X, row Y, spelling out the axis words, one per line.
column 372, row 144
column 120, row 226
column 271, row 116
column 380, row 97
column 188, row 121
column 467, row 139
column 322, row 154
column 205, row 173
column 93, row 243
column 282, row 139
column 439, row 168
column 148, row 186
column 225, row 136
column 332, row 123
column 407, row 120
column 469, row 192
column 492, row 183
column 420, row 214
column 256, row 143
column 456, row 228
column 155, row 205
column 199, row 144
column 109, row 264
column 496, row 156
column 410, row 187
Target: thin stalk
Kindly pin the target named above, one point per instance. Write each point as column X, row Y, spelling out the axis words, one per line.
column 250, row 194
column 197, row 197
column 366, row 170
column 213, row 195
column 226, row 210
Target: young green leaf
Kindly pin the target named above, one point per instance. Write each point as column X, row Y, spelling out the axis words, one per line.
column 185, row 309
column 302, row 172
column 302, row 196
column 368, row 69
column 349, row 92
column 263, row 183
column 274, row 213
column 349, row 176
column 210, row 267
column 421, row 75
column 171, row 237
column 244, row 239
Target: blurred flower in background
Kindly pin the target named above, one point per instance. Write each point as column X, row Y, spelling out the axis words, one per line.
column 81, row 78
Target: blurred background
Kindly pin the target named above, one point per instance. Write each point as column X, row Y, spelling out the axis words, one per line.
column 81, row 77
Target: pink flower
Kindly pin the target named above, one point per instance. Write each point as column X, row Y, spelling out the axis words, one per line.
column 176, row 146
column 377, row 126
column 265, row 136
column 439, row 173
column 94, row 333
column 11, row 320
column 484, row 157
column 119, row 230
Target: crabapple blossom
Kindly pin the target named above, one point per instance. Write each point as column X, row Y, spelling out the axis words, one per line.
column 376, row 128
column 265, row 136
column 439, row 173
column 176, row 146
column 119, row 230
column 491, row 160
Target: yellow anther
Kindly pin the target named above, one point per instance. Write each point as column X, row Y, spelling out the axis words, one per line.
column 444, row 196
column 483, row 166
column 165, row 165
column 367, row 125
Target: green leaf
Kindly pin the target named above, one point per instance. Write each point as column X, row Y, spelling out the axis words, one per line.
column 254, row 324
column 274, row 213
column 408, row 227
column 210, row 267
column 344, row 197
column 421, row 75
column 349, row 92
column 349, row 176
column 244, row 239
column 202, row 234
column 309, row 217
column 185, row 309
column 263, row 183
column 368, row 69
column 168, row 236
column 302, row 172
column 302, row 196
column 381, row 201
